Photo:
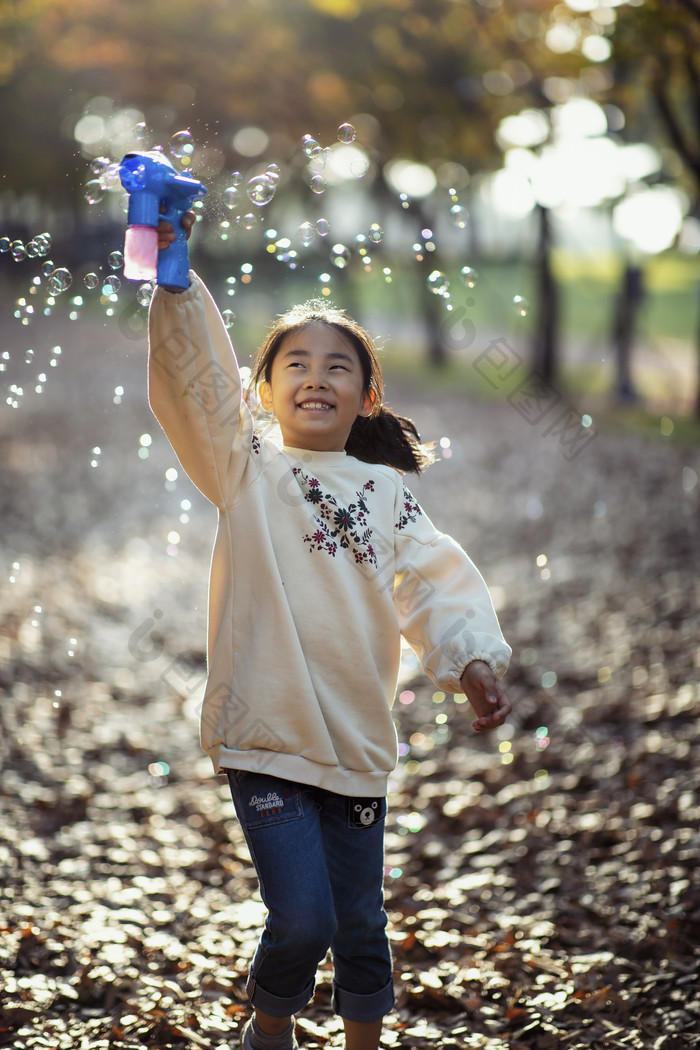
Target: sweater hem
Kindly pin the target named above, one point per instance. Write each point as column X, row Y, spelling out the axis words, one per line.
column 350, row 782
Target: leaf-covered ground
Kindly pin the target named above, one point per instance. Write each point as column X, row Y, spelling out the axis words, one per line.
column 542, row 884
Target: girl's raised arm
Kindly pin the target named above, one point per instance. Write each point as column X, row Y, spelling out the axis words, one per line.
column 194, row 390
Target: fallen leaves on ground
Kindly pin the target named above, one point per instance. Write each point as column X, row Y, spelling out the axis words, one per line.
column 542, row 883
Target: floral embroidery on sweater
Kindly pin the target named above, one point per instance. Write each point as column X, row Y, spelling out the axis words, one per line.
column 338, row 526
column 410, row 510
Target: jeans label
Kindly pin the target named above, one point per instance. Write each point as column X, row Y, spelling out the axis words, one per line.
column 265, row 800
column 272, row 802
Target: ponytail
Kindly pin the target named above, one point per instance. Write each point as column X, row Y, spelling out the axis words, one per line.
column 390, row 439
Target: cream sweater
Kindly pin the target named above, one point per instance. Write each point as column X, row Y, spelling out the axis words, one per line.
column 321, row 562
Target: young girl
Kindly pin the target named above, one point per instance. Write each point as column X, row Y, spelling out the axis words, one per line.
column 322, row 561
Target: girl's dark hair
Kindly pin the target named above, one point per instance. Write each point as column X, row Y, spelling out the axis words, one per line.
column 381, row 437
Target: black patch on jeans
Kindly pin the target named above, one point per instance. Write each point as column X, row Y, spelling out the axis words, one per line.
column 364, row 812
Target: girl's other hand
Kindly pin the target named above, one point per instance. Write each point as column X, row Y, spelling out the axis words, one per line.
column 486, row 695
column 166, row 230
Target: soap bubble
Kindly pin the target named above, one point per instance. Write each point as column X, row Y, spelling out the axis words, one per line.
column 18, row 251
column 346, row 133
column 307, row 232
column 317, row 184
column 44, row 240
column 182, row 145
column 376, row 232
column 111, row 285
column 236, row 178
column 459, row 216
column 144, row 293
column 98, row 165
column 116, row 260
column 260, row 190
column 4, row 244
column 249, row 221
column 60, row 280
column 469, row 276
column 310, row 146
column 359, row 163
column 110, row 177
column 141, row 131
column 340, row 256
column 318, row 162
column 33, row 248
column 521, row 305
column 438, row 283
column 323, row 227
column 229, row 318
column 48, row 267
column 94, row 191
column 273, row 172
column 231, row 196
column 91, row 281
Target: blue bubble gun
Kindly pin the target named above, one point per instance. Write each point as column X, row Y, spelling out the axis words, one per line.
column 153, row 184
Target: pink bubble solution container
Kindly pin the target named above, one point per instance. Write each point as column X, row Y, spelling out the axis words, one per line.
column 141, row 253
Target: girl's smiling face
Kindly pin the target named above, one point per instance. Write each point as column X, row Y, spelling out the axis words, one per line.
column 316, row 388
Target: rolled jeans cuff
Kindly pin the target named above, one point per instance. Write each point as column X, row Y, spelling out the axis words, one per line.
column 363, row 1008
column 277, row 1005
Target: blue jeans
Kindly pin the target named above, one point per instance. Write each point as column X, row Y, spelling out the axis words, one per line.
column 319, row 857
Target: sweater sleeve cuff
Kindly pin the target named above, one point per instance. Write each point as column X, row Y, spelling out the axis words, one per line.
column 177, row 297
column 498, row 662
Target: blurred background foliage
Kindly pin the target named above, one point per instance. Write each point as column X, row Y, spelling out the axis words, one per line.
column 554, row 144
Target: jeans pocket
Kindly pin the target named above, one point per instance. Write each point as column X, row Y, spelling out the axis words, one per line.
column 262, row 800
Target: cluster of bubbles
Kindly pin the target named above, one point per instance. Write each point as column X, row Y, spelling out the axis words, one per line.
column 244, row 199
column 104, row 178
column 259, row 189
column 439, row 284
column 51, row 283
column 458, row 213
column 56, row 280
column 37, row 247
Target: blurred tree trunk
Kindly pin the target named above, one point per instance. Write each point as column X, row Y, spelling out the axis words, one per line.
column 545, row 347
column 697, row 345
column 430, row 304
column 627, row 306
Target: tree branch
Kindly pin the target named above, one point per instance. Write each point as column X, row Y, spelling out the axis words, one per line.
column 694, row 80
column 675, row 131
